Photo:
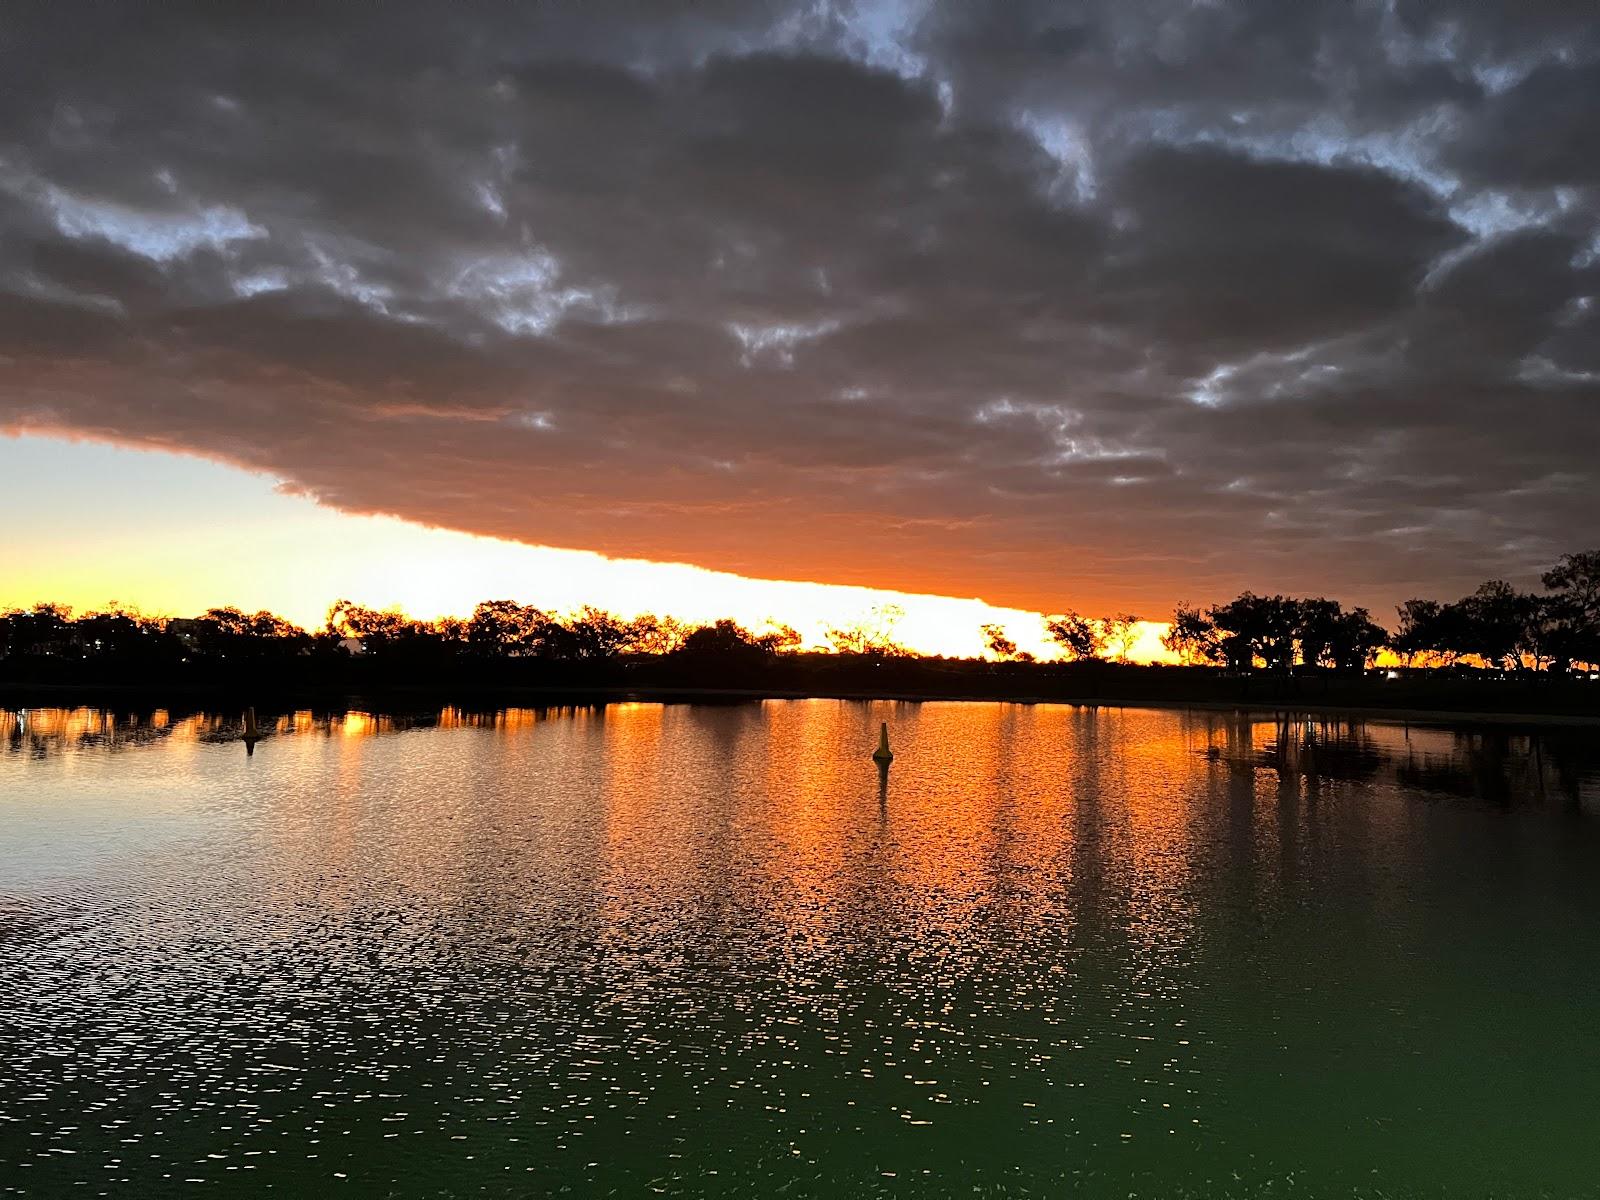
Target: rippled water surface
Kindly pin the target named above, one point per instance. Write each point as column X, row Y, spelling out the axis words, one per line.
column 702, row 950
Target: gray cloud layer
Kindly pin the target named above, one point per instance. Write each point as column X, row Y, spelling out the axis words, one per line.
column 1072, row 302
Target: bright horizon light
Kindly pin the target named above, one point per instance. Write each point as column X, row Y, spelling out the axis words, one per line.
column 188, row 534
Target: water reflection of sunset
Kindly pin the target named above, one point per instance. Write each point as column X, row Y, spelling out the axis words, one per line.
column 991, row 811
column 1051, row 922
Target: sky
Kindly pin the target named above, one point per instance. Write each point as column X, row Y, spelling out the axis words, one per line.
column 1090, row 305
column 260, row 547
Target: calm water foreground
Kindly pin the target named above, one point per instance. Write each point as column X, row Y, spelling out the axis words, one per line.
column 700, row 950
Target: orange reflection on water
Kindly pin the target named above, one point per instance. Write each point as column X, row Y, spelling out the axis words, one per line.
column 988, row 809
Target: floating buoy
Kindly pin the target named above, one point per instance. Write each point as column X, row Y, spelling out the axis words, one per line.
column 883, row 756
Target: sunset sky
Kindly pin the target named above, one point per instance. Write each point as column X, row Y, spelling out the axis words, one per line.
column 252, row 546
column 1090, row 305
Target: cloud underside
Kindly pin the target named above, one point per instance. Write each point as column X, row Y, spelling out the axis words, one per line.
column 1048, row 303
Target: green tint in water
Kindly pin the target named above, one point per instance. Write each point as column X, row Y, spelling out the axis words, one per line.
column 690, row 950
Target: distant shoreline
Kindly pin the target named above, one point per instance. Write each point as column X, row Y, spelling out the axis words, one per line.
column 391, row 697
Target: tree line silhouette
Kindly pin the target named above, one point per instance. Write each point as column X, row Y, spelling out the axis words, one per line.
column 1496, row 628
column 1496, row 631
column 502, row 641
column 497, row 630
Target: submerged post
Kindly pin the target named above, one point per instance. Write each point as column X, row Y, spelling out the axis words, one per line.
column 883, row 756
column 252, row 734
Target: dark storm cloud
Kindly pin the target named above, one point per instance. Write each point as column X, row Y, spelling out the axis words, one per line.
column 1069, row 302
column 1542, row 131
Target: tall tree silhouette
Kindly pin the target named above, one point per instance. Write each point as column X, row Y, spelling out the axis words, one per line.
column 1081, row 638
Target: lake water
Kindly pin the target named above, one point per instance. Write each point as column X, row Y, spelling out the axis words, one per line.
column 691, row 950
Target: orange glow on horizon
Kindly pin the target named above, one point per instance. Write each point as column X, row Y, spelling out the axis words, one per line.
column 930, row 625
column 235, row 540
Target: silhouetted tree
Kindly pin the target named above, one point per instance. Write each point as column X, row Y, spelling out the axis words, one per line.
column 1252, row 627
column 726, row 640
column 115, row 633
column 231, row 635
column 591, row 633
column 650, row 634
column 1317, row 627
column 389, row 636
column 1081, row 638
column 997, row 643
column 1501, row 625
column 780, row 639
column 872, row 636
column 1497, row 625
column 726, row 653
column 1120, row 632
column 1192, row 637
column 1422, row 632
column 1329, row 636
column 1573, row 610
column 45, row 630
column 1354, row 641
column 506, row 629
